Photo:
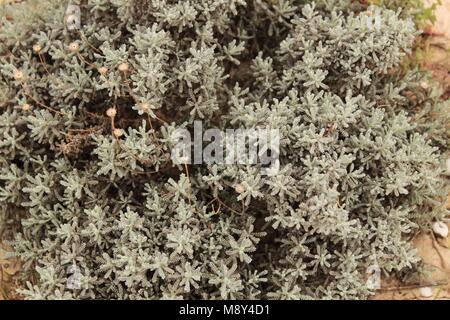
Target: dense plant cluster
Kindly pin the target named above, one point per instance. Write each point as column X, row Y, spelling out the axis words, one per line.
column 422, row 12
column 86, row 116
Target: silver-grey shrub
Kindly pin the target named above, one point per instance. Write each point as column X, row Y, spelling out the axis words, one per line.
column 360, row 166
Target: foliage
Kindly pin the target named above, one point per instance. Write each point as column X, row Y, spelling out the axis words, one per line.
column 85, row 143
column 422, row 13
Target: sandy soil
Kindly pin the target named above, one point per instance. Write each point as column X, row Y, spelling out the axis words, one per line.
column 436, row 256
column 9, row 269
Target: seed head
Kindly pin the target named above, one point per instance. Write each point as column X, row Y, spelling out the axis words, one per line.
column 26, row 107
column 111, row 112
column 239, row 188
column 103, row 70
column 118, row 132
column 37, row 48
column 18, row 75
column 145, row 107
column 124, row 67
column 424, row 85
column 74, row 47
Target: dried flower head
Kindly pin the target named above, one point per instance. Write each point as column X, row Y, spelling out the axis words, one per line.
column 74, row 47
column 145, row 107
column 118, row 132
column 18, row 75
column 111, row 112
column 424, row 85
column 239, row 188
column 103, row 70
column 37, row 48
column 124, row 67
column 26, row 107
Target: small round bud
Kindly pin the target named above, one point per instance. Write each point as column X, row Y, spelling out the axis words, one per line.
column 111, row 112
column 74, row 47
column 103, row 70
column 26, row 107
column 239, row 188
column 37, row 48
column 124, row 67
column 18, row 75
column 145, row 107
column 118, row 132
column 424, row 85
